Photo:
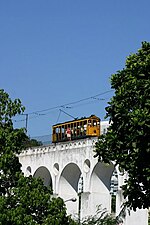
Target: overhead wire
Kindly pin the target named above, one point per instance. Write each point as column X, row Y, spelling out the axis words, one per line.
column 58, row 116
column 71, row 103
column 66, row 106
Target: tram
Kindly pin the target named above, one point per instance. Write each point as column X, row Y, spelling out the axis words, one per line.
column 76, row 129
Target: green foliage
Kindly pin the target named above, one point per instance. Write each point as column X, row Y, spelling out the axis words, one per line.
column 127, row 140
column 101, row 218
column 32, row 204
column 31, row 143
column 23, row 200
column 11, row 141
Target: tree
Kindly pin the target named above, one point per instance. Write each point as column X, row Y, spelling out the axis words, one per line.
column 11, row 141
column 100, row 218
column 23, row 200
column 127, row 141
column 32, row 143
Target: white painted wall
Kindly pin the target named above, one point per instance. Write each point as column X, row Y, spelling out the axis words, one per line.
column 60, row 165
column 72, row 159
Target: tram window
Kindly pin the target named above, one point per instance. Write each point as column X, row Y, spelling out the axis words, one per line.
column 95, row 123
column 57, row 130
column 62, row 132
column 54, row 131
column 82, row 127
column 65, row 128
column 89, row 123
column 85, row 126
column 72, row 129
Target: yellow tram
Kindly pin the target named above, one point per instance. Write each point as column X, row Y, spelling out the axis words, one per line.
column 76, row 129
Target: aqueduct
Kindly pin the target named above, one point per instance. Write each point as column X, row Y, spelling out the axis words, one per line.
column 69, row 168
column 63, row 165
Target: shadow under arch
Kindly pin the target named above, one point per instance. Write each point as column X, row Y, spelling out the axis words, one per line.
column 43, row 173
column 69, row 178
column 104, row 173
column 68, row 186
column 100, row 185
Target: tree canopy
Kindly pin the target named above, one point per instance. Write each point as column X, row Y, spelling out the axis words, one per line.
column 23, row 200
column 127, row 141
column 30, row 142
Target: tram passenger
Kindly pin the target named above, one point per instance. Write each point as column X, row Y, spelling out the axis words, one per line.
column 68, row 132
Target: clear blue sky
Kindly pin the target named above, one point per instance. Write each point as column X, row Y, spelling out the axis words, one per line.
column 54, row 52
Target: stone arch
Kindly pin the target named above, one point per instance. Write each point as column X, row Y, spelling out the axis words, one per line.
column 100, row 185
column 69, row 179
column 68, row 186
column 43, row 173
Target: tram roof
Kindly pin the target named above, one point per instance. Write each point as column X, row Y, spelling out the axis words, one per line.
column 76, row 119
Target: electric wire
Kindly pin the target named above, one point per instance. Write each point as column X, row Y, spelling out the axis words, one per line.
column 71, row 103
column 38, row 113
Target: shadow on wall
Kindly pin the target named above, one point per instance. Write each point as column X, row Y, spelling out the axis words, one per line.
column 43, row 173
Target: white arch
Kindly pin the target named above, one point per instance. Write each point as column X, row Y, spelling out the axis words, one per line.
column 57, row 158
column 68, row 181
